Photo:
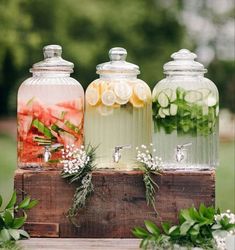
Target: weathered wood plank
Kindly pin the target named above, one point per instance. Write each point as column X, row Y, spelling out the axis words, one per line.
column 118, row 203
column 46, row 229
column 83, row 244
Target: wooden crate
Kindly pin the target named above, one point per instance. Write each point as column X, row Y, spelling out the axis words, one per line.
column 117, row 204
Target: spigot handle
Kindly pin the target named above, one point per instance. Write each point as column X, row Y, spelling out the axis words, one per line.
column 117, row 154
column 183, row 146
column 119, row 147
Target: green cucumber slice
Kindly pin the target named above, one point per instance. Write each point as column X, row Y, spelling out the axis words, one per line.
column 173, row 109
column 205, row 92
column 163, row 100
column 192, row 96
column 168, row 92
column 161, row 114
column 211, row 100
column 166, row 111
column 42, row 128
column 173, row 96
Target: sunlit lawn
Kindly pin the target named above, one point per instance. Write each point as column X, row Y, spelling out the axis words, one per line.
column 225, row 176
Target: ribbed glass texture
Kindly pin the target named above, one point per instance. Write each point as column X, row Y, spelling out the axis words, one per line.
column 185, row 118
column 50, row 116
column 118, row 113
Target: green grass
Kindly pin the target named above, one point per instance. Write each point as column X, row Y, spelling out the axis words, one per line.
column 7, row 165
column 225, row 175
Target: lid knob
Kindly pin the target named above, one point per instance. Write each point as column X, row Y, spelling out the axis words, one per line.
column 50, row 51
column 183, row 54
column 183, row 60
column 117, row 54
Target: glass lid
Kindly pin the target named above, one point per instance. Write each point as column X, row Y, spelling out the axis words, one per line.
column 53, row 60
column 117, row 63
column 183, row 60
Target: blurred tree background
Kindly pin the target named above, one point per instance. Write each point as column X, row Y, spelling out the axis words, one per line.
column 150, row 30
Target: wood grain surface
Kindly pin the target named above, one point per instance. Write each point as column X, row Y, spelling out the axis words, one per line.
column 117, row 204
column 80, row 244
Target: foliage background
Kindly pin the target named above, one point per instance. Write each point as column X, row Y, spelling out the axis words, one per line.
column 150, row 30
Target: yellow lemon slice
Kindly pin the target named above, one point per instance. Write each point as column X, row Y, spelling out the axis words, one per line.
column 140, row 91
column 122, row 90
column 104, row 110
column 136, row 102
column 92, row 96
column 103, row 86
column 121, row 101
column 108, row 98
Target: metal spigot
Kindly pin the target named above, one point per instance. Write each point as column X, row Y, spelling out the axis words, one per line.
column 46, row 154
column 180, row 151
column 48, row 149
column 117, row 154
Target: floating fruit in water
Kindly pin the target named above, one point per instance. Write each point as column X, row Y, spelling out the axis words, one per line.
column 108, row 98
column 104, row 110
column 122, row 90
column 92, row 96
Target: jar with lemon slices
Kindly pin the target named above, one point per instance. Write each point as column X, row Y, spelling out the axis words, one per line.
column 118, row 112
column 185, row 115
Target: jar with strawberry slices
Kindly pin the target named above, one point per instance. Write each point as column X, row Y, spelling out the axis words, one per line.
column 50, row 112
column 118, row 112
column 185, row 115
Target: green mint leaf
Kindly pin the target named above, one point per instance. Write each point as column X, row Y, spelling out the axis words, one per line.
column 12, row 201
column 32, row 204
column 4, row 235
column 166, row 226
column 8, row 218
column 24, row 233
column 184, row 228
column 140, row 232
column 18, row 222
column 152, row 228
column 24, row 203
column 14, row 233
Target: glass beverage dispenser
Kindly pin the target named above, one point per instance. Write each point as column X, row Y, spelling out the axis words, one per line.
column 185, row 115
column 118, row 112
column 50, row 111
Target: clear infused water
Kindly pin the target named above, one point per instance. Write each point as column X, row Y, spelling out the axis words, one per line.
column 201, row 154
column 107, row 127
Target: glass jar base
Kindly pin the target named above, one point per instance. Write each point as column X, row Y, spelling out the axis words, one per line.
column 40, row 167
column 184, row 167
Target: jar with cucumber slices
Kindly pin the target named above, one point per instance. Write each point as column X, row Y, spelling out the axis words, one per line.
column 50, row 112
column 118, row 112
column 185, row 115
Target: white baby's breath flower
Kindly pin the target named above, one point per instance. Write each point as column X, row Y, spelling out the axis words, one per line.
column 152, row 163
column 74, row 159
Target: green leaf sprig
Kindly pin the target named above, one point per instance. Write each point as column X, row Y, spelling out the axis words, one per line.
column 150, row 165
column 195, row 229
column 10, row 225
column 78, row 166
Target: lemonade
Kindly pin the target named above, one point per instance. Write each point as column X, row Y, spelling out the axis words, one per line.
column 118, row 112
